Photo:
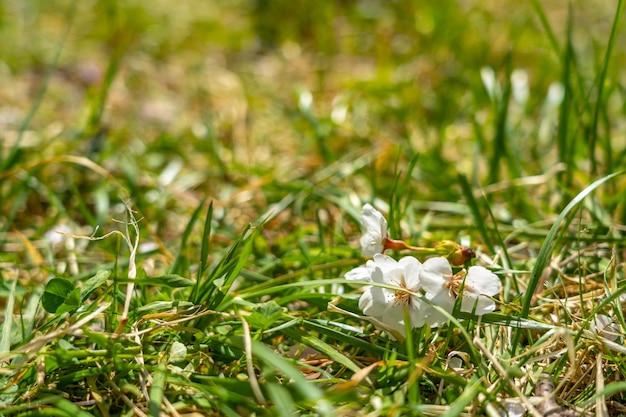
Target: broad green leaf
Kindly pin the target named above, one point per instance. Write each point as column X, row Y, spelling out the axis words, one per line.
column 71, row 303
column 57, row 290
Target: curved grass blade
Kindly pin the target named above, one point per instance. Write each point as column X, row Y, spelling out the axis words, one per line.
column 321, row 346
column 177, row 267
column 545, row 253
column 550, row 242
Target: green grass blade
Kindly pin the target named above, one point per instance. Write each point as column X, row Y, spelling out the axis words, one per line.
column 501, row 142
column 470, row 393
column 546, row 26
column 308, row 390
column 321, row 346
column 204, row 250
column 600, row 87
column 282, row 400
column 5, row 341
column 177, row 266
column 543, row 257
column 157, row 390
column 323, row 327
column 479, row 221
column 565, row 143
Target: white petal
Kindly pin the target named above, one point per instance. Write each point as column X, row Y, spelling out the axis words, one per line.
column 378, row 276
column 373, row 302
column 483, row 304
column 436, row 272
column 393, row 316
column 385, row 263
column 392, row 320
column 418, row 312
column 372, row 219
column 375, row 227
column 483, row 280
column 412, row 269
column 360, row 273
column 371, row 244
column 395, row 277
column 443, row 299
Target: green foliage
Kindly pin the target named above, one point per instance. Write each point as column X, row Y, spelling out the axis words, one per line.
column 60, row 295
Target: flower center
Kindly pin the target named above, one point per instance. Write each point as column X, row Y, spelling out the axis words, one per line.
column 402, row 296
column 454, row 285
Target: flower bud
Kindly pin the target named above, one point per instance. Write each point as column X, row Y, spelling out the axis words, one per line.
column 457, row 255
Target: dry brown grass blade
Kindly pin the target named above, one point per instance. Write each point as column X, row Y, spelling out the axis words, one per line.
column 601, row 409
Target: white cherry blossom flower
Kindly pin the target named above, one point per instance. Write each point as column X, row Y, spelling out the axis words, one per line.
column 388, row 304
column 375, row 225
column 443, row 287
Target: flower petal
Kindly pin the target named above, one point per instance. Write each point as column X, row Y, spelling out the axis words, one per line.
column 372, row 219
column 385, row 263
column 483, row 304
column 360, row 273
column 375, row 227
column 418, row 312
column 434, row 317
column 436, row 272
column 394, row 317
column 412, row 269
column 373, row 302
column 483, row 280
column 371, row 244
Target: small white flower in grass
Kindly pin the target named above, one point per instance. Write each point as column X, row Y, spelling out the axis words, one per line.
column 443, row 287
column 388, row 304
column 375, row 225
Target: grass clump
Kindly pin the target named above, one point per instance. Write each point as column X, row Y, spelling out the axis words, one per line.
column 206, row 167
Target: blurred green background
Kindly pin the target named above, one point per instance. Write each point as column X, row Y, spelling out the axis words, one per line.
column 236, row 100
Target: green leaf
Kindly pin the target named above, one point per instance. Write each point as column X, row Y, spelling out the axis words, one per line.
column 171, row 281
column 57, row 290
column 71, row 303
column 94, row 283
column 158, row 306
column 265, row 315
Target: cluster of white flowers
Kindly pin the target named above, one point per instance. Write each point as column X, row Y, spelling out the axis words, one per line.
column 409, row 288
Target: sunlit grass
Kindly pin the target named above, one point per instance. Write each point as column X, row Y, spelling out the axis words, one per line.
column 207, row 164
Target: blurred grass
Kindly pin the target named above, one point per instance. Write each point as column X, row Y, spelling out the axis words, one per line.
column 472, row 121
